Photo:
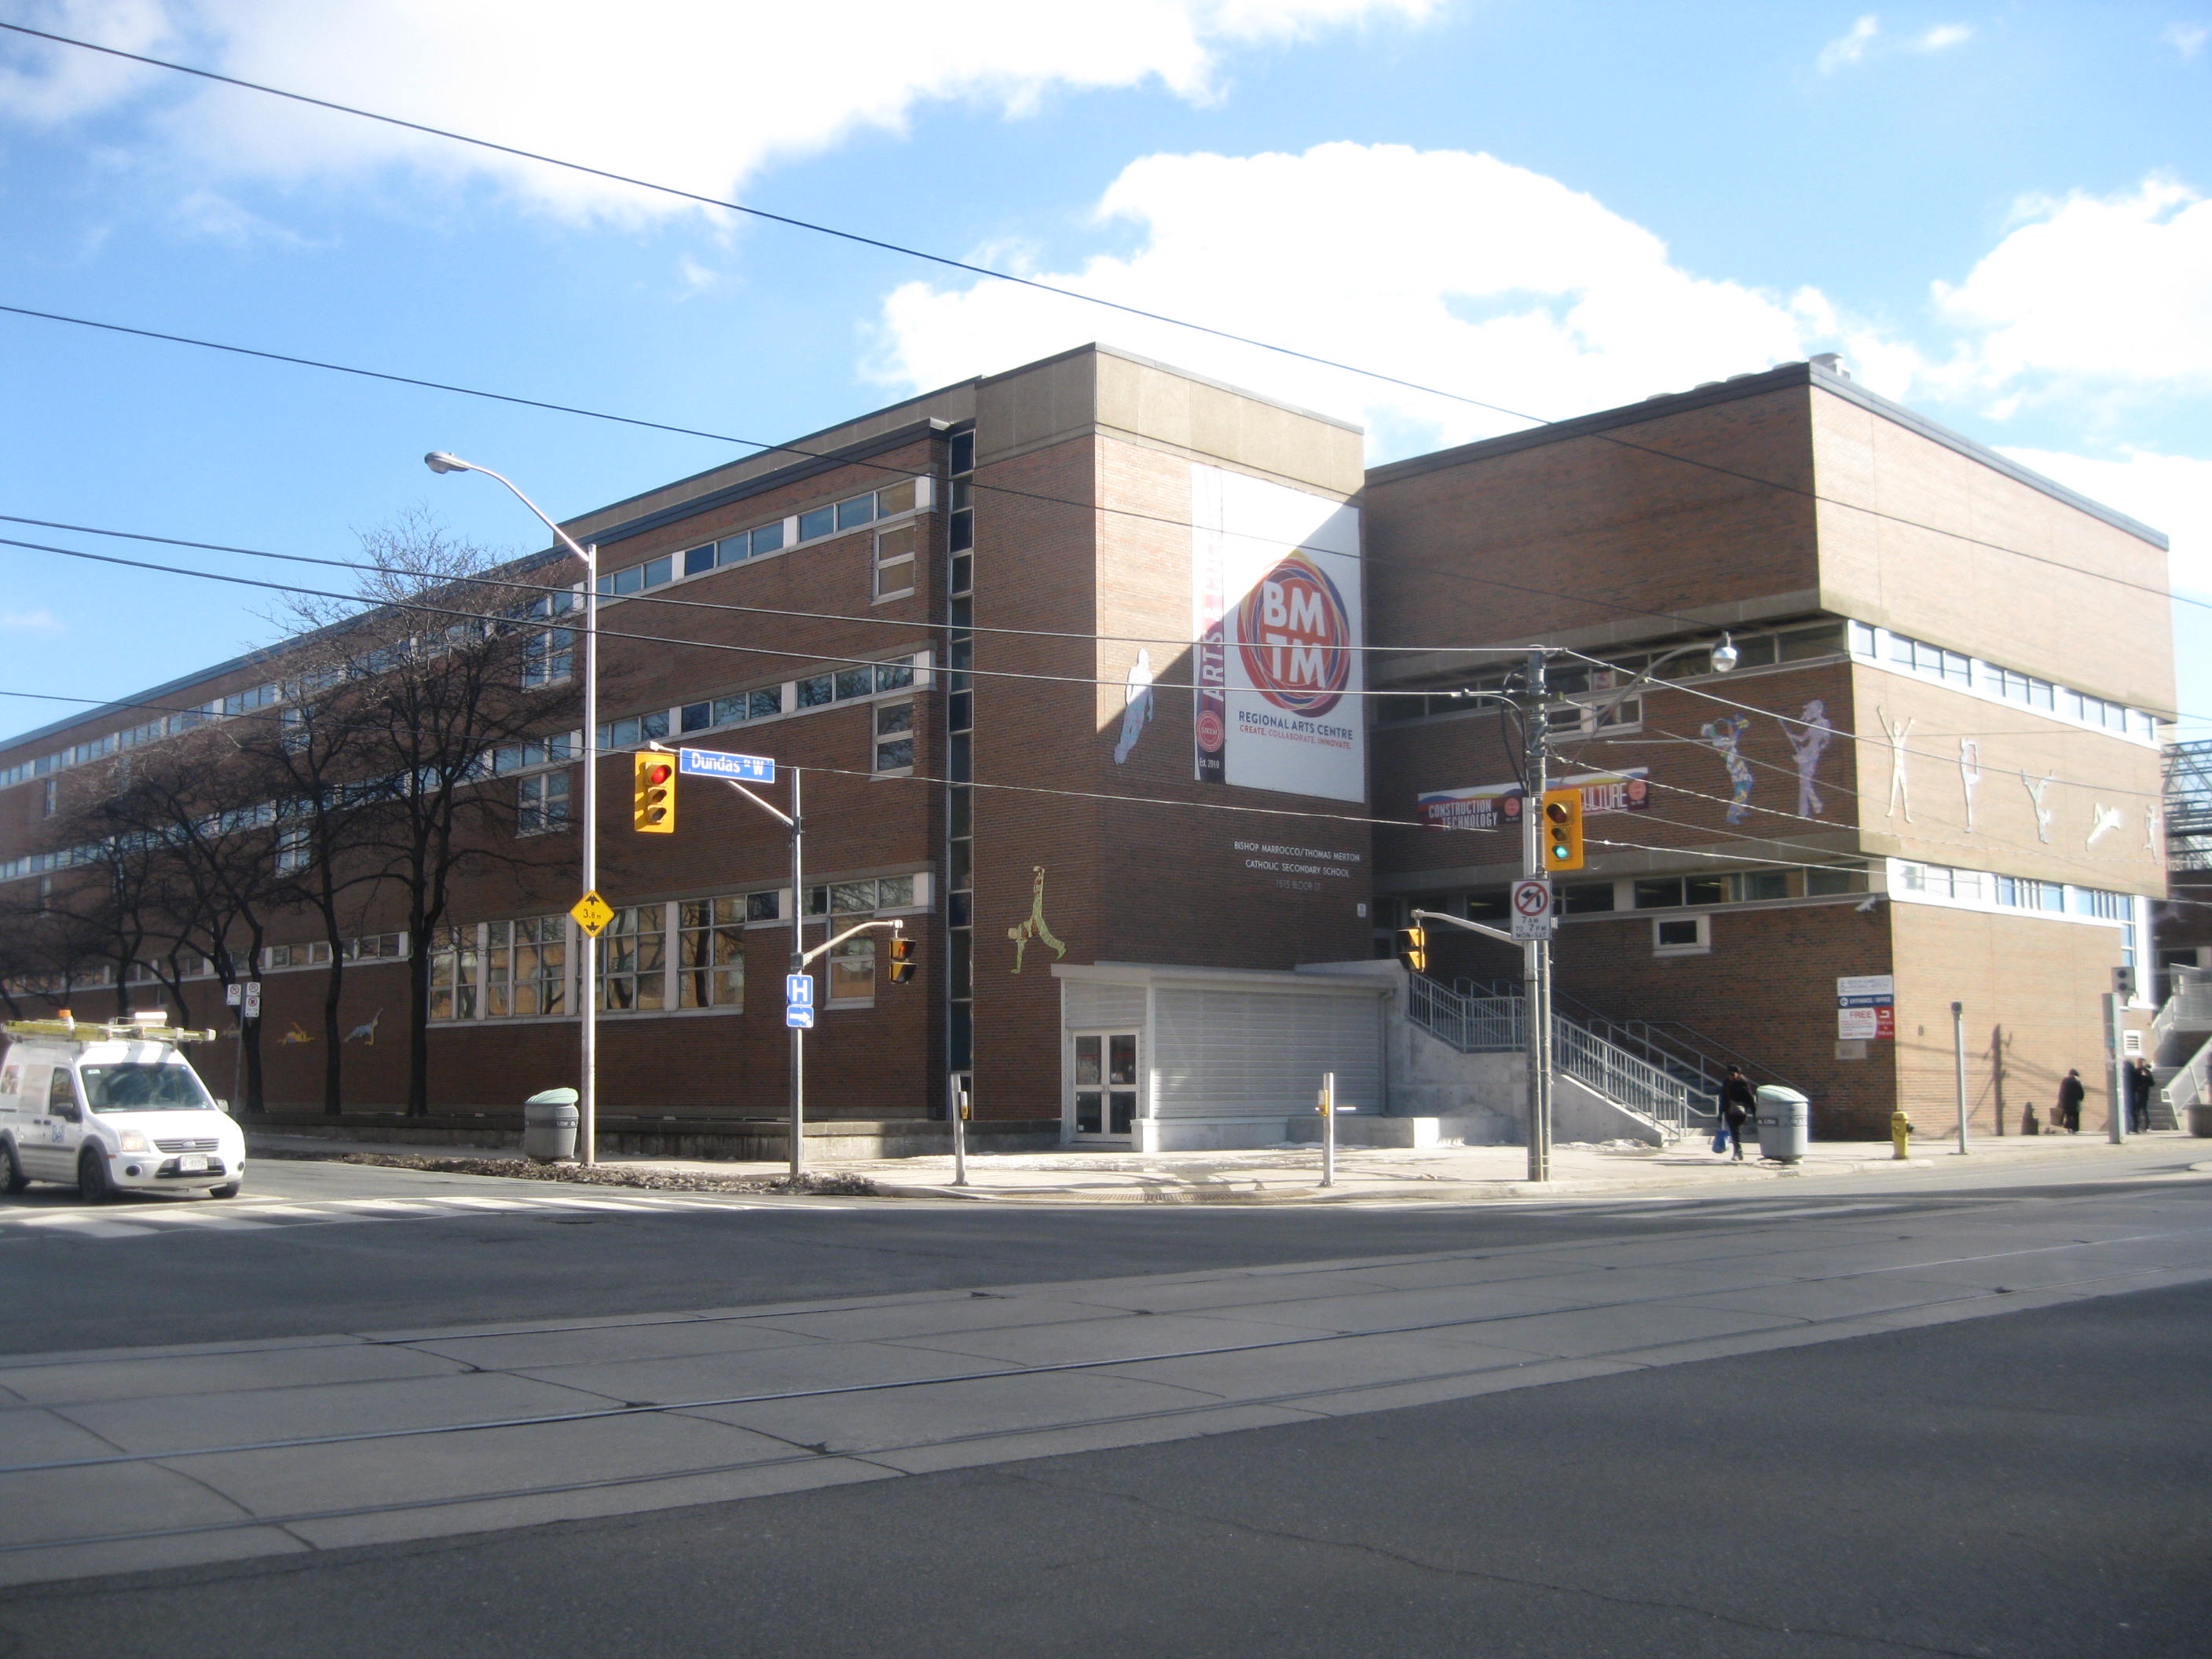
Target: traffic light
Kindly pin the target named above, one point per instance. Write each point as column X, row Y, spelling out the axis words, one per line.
column 902, row 959
column 1562, row 828
column 1413, row 949
column 653, row 793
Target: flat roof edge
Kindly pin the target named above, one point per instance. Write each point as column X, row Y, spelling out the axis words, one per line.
column 1778, row 379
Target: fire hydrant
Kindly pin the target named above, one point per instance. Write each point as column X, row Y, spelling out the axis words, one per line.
column 1900, row 1135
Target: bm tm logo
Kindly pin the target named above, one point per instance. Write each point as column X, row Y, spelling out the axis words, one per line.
column 1293, row 629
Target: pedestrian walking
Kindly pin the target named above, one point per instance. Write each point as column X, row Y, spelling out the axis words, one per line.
column 1738, row 1104
column 2071, row 1093
column 2142, row 1080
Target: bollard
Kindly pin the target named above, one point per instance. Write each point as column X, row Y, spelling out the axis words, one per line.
column 1900, row 1135
column 1329, row 1129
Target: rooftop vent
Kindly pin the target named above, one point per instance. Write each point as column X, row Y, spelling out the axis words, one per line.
column 1832, row 363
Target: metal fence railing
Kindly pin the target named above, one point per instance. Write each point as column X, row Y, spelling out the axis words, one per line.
column 1472, row 1024
column 1619, row 1076
column 1492, row 1024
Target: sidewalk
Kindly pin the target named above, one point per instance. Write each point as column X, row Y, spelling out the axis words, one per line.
column 1368, row 1175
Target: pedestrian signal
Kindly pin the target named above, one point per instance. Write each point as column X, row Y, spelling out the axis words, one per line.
column 1562, row 828
column 902, row 959
column 1413, row 949
column 653, row 793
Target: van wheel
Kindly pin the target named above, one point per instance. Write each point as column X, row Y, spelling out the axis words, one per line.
column 92, row 1183
column 15, row 1180
column 228, row 1190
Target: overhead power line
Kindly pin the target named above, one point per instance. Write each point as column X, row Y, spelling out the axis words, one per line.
column 967, row 267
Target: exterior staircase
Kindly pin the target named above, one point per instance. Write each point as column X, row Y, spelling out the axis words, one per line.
column 1490, row 1020
column 2181, row 1049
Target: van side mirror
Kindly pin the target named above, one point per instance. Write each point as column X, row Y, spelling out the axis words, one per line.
column 222, row 1106
column 69, row 1113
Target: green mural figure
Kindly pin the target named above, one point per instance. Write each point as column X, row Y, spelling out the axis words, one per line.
column 1035, row 928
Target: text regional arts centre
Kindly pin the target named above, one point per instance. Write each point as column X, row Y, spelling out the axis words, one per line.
column 1142, row 702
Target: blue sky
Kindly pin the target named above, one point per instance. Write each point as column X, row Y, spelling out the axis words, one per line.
column 1995, row 213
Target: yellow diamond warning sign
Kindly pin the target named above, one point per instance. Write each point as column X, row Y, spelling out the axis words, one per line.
column 593, row 913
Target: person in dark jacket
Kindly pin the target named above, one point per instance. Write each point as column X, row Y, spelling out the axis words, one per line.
column 2142, row 1080
column 2070, row 1096
column 1738, row 1104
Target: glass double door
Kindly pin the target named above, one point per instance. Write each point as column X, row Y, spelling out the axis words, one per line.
column 1105, row 1085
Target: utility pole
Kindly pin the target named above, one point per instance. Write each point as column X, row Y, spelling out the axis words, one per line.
column 1536, row 954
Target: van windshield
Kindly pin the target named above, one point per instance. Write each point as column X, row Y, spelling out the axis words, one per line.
column 140, row 1088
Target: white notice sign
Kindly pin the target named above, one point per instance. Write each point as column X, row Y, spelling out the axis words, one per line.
column 1533, row 916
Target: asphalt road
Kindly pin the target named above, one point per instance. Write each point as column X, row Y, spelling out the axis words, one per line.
column 2023, row 1485
column 547, row 1260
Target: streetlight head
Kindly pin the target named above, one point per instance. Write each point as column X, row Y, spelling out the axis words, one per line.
column 438, row 461
column 1724, row 656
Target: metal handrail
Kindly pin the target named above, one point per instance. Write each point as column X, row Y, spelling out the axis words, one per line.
column 1474, row 1025
column 1619, row 1076
column 1675, row 1040
column 1492, row 1024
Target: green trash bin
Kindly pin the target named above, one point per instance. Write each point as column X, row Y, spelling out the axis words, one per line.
column 549, row 1126
column 1785, row 1123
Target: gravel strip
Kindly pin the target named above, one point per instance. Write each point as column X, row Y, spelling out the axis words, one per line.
column 599, row 1175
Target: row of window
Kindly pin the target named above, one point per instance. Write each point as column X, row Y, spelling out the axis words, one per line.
column 1665, row 892
column 684, row 954
column 373, row 947
column 959, row 762
column 93, row 749
column 766, row 702
column 1906, row 655
column 1877, row 646
column 836, row 519
column 1986, row 890
column 1592, row 681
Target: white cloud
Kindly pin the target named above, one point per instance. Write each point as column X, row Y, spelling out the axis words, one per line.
column 2114, row 290
column 2173, row 492
column 30, row 622
column 1450, row 270
column 2187, row 39
column 1848, row 48
column 700, row 94
column 41, row 83
column 1941, row 36
column 1865, row 36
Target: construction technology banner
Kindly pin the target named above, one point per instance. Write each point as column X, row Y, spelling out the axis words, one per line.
column 1276, row 611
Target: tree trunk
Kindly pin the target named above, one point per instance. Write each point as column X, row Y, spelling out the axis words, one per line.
column 333, row 1049
column 418, row 1022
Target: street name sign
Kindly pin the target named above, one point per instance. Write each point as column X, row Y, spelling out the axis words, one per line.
column 1532, row 908
column 714, row 763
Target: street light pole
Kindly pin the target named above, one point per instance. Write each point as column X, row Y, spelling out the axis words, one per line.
column 588, row 1013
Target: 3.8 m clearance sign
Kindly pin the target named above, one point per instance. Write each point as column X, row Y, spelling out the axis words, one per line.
column 1276, row 614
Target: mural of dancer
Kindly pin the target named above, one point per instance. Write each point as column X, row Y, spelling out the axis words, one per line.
column 1899, row 731
column 1136, row 709
column 1035, row 926
column 1724, row 734
column 1809, row 741
column 1970, row 775
column 2037, row 787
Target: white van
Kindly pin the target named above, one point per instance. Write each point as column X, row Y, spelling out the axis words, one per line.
column 112, row 1108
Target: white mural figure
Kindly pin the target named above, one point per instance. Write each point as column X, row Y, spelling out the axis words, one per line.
column 1970, row 775
column 1809, row 741
column 1137, row 707
column 2036, row 788
column 367, row 1033
column 2107, row 819
column 1898, row 730
column 1724, row 734
column 2150, row 831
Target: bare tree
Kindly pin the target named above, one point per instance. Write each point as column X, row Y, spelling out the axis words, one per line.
column 443, row 669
